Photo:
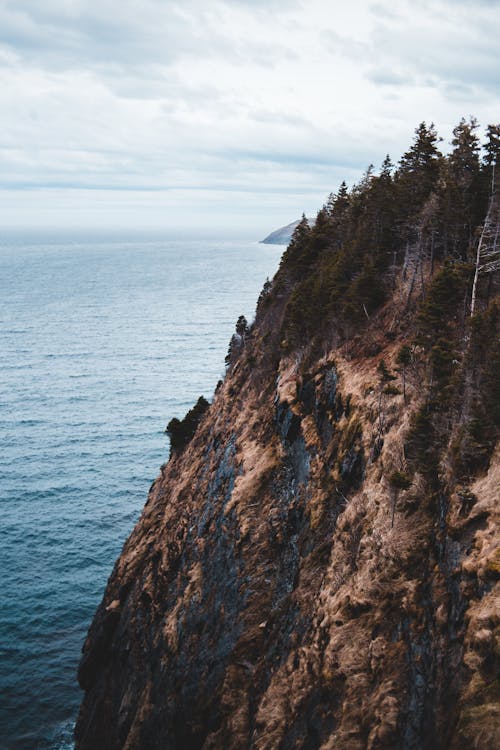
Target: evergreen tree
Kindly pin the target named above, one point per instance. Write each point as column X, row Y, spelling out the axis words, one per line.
column 237, row 342
column 180, row 431
column 381, row 212
column 464, row 159
column 265, row 295
column 320, row 237
column 419, row 166
column 242, row 328
column 463, row 206
column 416, row 178
column 342, row 199
column 492, row 145
column 492, row 157
column 338, row 210
column 386, row 170
column 293, row 257
column 300, row 235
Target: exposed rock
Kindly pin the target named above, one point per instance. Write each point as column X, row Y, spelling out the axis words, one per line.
column 265, row 601
column 319, row 567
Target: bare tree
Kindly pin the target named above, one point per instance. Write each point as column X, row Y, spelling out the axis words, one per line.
column 488, row 248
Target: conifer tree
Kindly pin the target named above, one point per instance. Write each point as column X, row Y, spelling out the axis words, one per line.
column 386, row 170
column 338, row 203
column 464, row 159
column 237, row 342
column 293, row 256
column 338, row 209
column 181, row 431
column 463, row 186
column 419, row 166
column 492, row 156
column 242, row 328
column 382, row 209
column 492, row 145
column 416, row 178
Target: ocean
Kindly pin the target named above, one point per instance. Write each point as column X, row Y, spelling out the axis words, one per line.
column 102, row 341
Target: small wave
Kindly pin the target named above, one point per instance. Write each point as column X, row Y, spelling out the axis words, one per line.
column 60, row 739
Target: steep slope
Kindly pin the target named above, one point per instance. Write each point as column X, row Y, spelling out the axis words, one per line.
column 318, row 567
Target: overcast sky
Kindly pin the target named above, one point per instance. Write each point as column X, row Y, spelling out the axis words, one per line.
column 224, row 116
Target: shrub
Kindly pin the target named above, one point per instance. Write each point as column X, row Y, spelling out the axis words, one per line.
column 422, row 443
column 400, row 480
column 180, row 431
column 385, row 375
column 391, row 390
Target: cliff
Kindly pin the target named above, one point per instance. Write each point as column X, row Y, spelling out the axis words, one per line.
column 318, row 566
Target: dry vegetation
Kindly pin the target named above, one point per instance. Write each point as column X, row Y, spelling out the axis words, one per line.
column 318, row 567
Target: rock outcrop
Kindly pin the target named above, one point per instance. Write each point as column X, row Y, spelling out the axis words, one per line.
column 316, row 568
column 268, row 597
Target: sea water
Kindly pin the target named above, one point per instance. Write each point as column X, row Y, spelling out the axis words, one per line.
column 102, row 342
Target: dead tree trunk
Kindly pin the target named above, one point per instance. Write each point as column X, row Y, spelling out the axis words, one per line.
column 488, row 248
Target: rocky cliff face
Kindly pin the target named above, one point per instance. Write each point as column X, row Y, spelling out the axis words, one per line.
column 279, row 592
column 318, row 567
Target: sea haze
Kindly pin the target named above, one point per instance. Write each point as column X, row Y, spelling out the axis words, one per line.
column 102, row 341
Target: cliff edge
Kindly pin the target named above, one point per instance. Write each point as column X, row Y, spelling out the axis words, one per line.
column 318, row 566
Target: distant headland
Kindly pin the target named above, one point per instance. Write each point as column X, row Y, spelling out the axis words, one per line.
column 281, row 236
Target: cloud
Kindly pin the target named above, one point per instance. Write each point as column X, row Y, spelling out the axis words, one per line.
column 345, row 46
column 390, row 77
column 439, row 44
column 242, row 97
column 76, row 33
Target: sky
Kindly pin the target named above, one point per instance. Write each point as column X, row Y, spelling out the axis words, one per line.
column 227, row 117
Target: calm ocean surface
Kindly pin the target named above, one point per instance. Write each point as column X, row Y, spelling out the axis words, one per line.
column 101, row 343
